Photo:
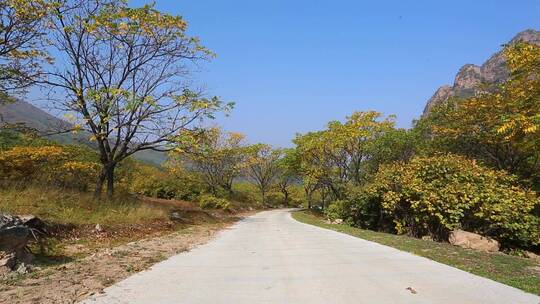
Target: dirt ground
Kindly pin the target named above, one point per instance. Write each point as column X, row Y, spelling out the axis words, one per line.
column 75, row 280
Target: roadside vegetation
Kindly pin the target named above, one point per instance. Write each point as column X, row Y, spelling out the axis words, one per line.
column 470, row 164
column 125, row 85
column 515, row 271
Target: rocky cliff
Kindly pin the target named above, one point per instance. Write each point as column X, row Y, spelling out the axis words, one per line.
column 471, row 79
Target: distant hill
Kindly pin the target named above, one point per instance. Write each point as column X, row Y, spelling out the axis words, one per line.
column 470, row 77
column 35, row 118
column 31, row 116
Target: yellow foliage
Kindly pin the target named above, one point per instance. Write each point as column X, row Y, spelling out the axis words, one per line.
column 50, row 164
column 434, row 195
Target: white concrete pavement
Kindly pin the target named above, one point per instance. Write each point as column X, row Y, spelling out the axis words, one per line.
column 271, row 258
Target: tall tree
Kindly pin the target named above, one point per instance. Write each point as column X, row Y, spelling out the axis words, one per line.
column 124, row 75
column 288, row 173
column 337, row 156
column 216, row 155
column 522, row 91
column 22, row 43
column 262, row 167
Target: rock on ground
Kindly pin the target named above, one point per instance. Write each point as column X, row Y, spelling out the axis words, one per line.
column 15, row 233
column 471, row 240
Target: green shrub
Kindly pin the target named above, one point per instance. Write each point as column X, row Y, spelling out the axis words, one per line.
column 245, row 192
column 337, row 210
column 434, row 195
column 212, row 202
column 156, row 182
column 10, row 138
column 274, row 199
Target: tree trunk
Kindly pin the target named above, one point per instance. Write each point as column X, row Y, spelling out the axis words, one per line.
column 99, row 185
column 110, row 180
column 308, row 197
column 263, row 197
column 228, row 188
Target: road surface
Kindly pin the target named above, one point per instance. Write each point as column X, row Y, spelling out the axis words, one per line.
column 271, row 258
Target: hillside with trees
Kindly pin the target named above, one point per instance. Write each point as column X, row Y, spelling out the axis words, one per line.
column 122, row 76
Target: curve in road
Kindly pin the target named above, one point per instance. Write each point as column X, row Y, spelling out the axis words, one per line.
column 271, row 258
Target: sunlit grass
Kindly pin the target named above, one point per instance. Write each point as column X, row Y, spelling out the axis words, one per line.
column 63, row 206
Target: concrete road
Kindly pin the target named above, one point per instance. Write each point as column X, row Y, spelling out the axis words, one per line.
column 271, row 258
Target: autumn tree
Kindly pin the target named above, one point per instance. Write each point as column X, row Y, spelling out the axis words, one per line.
column 262, row 167
column 394, row 145
column 123, row 74
column 216, row 155
column 289, row 173
column 522, row 91
column 22, row 43
column 500, row 127
column 337, row 157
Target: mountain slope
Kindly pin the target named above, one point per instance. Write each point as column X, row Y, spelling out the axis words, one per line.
column 31, row 116
column 34, row 117
column 471, row 77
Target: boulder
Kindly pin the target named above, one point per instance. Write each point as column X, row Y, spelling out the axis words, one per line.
column 176, row 216
column 334, row 222
column 7, row 259
column 33, row 223
column 531, row 255
column 427, row 238
column 14, row 238
column 471, row 240
column 15, row 233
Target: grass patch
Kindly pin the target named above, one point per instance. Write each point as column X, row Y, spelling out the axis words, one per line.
column 63, row 206
column 72, row 216
column 510, row 270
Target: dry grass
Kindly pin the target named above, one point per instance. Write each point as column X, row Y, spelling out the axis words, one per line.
column 61, row 206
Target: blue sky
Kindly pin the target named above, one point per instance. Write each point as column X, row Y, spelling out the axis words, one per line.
column 292, row 66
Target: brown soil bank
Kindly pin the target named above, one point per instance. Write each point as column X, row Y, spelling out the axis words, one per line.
column 73, row 279
column 90, row 245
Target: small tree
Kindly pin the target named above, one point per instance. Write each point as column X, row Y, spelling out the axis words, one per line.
column 262, row 167
column 124, row 76
column 217, row 156
column 21, row 43
column 288, row 173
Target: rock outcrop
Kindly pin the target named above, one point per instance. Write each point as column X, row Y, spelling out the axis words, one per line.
column 15, row 233
column 471, row 240
column 472, row 79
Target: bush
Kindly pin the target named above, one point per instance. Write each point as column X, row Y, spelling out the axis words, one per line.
column 212, row 202
column 337, row 210
column 64, row 166
column 247, row 193
column 275, row 199
column 155, row 182
column 434, row 195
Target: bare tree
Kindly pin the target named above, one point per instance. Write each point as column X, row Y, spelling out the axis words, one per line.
column 22, row 44
column 124, row 73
